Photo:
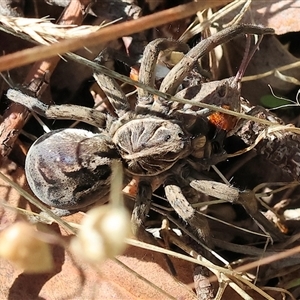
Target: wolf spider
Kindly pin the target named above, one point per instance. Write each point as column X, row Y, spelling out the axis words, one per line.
column 70, row 168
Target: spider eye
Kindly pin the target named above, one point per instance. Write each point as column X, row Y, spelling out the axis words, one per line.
column 167, row 137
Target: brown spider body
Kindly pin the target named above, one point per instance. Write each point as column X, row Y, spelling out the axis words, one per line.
column 154, row 139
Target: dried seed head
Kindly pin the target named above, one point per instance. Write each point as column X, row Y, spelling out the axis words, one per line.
column 21, row 245
column 102, row 234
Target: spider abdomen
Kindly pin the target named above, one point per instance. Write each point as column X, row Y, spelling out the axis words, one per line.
column 150, row 146
column 70, row 168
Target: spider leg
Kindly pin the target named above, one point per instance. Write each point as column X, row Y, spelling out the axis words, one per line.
column 200, row 226
column 141, row 207
column 110, row 87
column 66, row 111
column 180, row 71
column 139, row 214
column 149, row 60
column 147, row 70
column 185, row 210
column 218, row 92
column 225, row 93
column 247, row 199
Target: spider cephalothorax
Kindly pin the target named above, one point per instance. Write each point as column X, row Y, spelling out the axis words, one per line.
column 150, row 146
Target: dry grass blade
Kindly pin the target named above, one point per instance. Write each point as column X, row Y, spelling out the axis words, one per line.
column 44, row 32
column 37, row 203
column 168, row 97
column 126, row 79
column 225, row 274
column 265, row 133
column 105, row 34
column 36, row 82
column 197, row 27
column 138, row 276
column 271, row 72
